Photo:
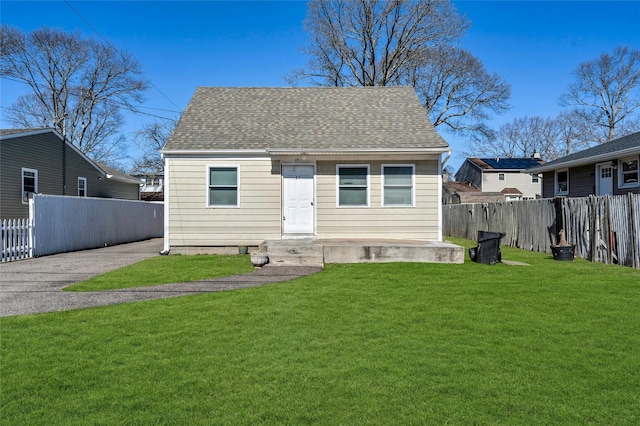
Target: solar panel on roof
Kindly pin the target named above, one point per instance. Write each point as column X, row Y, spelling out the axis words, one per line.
column 510, row 163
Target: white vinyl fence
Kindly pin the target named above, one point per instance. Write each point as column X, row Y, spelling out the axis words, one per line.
column 59, row 224
column 17, row 239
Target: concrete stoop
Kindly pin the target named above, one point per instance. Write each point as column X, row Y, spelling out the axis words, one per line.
column 298, row 253
column 318, row 252
column 380, row 252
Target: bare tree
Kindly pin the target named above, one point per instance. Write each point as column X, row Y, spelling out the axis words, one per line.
column 151, row 139
column 606, row 94
column 572, row 133
column 523, row 137
column 402, row 42
column 78, row 86
column 456, row 89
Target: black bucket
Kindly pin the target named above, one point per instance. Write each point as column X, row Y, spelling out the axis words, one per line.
column 563, row 252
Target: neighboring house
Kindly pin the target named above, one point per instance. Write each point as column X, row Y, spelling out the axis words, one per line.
column 246, row 165
column 607, row 169
column 41, row 161
column 466, row 193
column 152, row 188
column 502, row 176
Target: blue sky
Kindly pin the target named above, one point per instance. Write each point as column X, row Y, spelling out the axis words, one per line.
column 181, row 45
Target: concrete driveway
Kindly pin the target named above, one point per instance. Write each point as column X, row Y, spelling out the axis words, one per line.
column 35, row 285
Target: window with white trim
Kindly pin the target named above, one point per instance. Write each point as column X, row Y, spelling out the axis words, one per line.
column 353, row 185
column 628, row 172
column 562, row 182
column 535, row 178
column 82, row 187
column 500, row 176
column 223, row 186
column 29, row 183
column 398, row 185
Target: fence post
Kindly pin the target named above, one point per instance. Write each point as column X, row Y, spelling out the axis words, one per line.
column 608, row 233
column 635, row 256
column 559, row 221
column 31, row 224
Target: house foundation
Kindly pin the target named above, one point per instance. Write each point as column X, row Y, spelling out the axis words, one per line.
column 318, row 252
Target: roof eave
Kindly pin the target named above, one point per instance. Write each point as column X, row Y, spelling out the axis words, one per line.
column 31, row 133
column 356, row 151
column 299, row 151
column 124, row 179
column 584, row 161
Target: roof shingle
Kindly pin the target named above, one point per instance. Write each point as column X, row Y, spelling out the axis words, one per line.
column 361, row 118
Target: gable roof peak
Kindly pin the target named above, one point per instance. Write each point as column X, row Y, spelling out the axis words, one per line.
column 307, row 118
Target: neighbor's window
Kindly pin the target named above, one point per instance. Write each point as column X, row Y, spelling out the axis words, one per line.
column 562, row 182
column 535, row 178
column 500, row 176
column 29, row 183
column 353, row 186
column 223, row 187
column 398, row 185
column 628, row 173
column 82, row 187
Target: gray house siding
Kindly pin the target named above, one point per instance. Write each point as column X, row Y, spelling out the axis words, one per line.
column 582, row 183
column 470, row 173
column 36, row 152
column 97, row 184
column 58, row 167
column 548, row 185
column 115, row 189
column 583, row 165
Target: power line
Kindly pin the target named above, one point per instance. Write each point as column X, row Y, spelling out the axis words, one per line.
column 120, row 104
column 110, row 44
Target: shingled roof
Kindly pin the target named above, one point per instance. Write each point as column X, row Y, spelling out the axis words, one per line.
column 626, row 145
column 505, row 163
column 319, row 119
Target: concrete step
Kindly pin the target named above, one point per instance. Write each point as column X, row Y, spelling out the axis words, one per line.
column 293, row 254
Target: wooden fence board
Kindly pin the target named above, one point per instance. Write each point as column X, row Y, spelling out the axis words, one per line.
column 604, row 229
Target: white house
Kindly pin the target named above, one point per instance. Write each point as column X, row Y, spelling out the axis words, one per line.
column 502, row 176
column 246, row 165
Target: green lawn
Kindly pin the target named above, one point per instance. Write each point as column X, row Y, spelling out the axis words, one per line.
column 550, row 343
column 165, row 270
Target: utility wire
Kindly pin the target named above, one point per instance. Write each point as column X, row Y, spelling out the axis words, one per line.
column 110, row 44
column 122, row 105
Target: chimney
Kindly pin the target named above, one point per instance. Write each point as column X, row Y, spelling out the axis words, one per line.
column 536, row 155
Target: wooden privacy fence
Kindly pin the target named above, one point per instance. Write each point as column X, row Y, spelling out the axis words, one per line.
column 604, row 229
column 17, row 239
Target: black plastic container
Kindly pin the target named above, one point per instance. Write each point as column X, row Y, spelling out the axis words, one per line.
column 488, row 249
column 566, row 253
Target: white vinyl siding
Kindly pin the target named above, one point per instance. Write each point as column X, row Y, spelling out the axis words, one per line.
column 378, row 222
column 29, row 183
column 224, row 190
column 524, row 182
column 353, row 185
column 398, row 185
column 193, row 223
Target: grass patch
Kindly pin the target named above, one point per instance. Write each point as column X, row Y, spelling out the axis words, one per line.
column 550, row 343
column 166, row 270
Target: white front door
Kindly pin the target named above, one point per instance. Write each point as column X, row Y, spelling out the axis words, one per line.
column 604, row 179
column 298, row 199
